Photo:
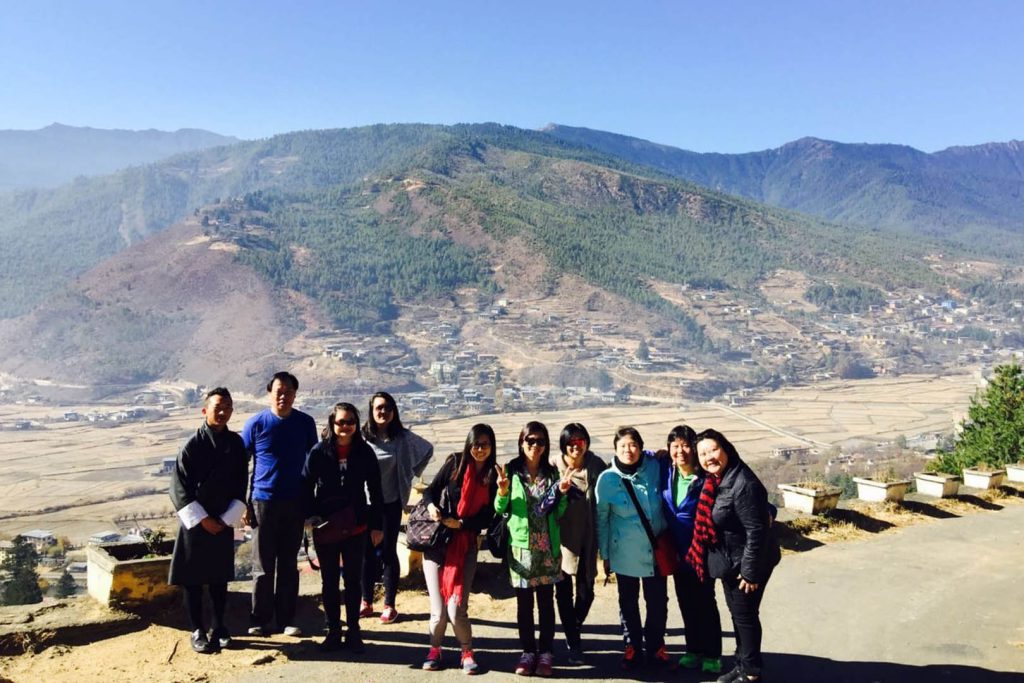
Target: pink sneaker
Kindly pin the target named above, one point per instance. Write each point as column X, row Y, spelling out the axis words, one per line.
column 365, row 609
column 389, row 615
column 527, row 661
column 544, row 664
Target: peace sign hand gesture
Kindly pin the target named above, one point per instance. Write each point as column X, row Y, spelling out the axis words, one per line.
column 502, row 480
column 566, row 481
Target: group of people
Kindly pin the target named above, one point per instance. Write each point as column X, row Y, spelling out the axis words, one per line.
column 692, row 510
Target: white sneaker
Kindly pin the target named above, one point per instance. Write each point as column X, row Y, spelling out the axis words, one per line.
column 293, row 631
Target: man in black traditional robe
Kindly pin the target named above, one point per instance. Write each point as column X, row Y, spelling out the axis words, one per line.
column 208, row 490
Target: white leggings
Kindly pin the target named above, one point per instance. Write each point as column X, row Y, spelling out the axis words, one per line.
column 456, row 614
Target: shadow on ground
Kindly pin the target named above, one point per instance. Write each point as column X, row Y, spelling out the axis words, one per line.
column 794, row 668
column 976, row 501
column 928, row 510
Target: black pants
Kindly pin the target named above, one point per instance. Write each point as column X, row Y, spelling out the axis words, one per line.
column 546, row 613
column 652, row 632
column 700, row 612
column 745, row 609
column 275, row 546
column 350, row 552
column 573, row 609
column 383, row 558
column 194, row 605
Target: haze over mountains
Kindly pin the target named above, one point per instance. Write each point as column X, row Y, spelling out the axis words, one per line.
column 560, row 250
column 56, row 154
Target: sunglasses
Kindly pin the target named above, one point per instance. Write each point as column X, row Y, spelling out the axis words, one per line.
column 535, row 441
column 576, row 443
column 481, row 445
column 351, row 422
column 382, row 408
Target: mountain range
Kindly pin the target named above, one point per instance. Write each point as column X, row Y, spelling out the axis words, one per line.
column 266, row 250
column 966, row 194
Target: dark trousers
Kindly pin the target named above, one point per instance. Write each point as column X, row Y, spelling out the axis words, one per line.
column 652, row 632
column 745, row 609
column 383, row 558
column 573, row 609
column 700, row 613
column 546, row 613
column 275, row 546
column 350, row 553
column 194, row 605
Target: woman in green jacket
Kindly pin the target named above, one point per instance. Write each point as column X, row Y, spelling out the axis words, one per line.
column 530, row 489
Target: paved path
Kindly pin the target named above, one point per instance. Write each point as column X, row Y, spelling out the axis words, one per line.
column 936, row 602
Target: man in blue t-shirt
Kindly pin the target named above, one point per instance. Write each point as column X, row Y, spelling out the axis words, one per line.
column 277, row 439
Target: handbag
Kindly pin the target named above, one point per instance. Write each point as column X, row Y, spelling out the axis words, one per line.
column 666, row 558
column 337, row 527
column 497, row 533
column 422, row 532
column 497, row 536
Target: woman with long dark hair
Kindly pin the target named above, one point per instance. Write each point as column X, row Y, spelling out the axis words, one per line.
column 338, row 473
column 732, row 542
column 529, row 488
column 626, row 547
column 460, row 497
column 684, row 479
column 402, row 457
column 578, row 529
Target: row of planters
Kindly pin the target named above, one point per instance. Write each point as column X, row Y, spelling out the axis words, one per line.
column 989, row 448
column 814, row 498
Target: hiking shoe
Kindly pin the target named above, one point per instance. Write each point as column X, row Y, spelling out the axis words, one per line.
column 292, row 631
column 202, row 644
column 711, row 665
column 630, row 658
column 433, row 660
column 354, row 643
column 469, row 665
column 365, row 609
column 690, row 660
column 660, row 657
column 544, row 664
column 575, row 656
column 734, row 676
column 332, row 643
column 221, row 637
column 389, row 615
column 527, row 661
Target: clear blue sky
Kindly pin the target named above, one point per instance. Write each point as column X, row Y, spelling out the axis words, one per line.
column 708, row 76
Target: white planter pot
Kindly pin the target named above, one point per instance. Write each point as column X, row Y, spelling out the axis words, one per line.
column 812, row 501
column 937, row 485
column 977, row 479
column 1015, row 472
column 874, row 491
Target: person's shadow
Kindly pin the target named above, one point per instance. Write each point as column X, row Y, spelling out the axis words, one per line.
column 796, row 668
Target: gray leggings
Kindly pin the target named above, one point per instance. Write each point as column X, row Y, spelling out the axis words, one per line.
column 456, row 614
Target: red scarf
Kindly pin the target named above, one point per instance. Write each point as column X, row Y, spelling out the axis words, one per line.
column 473, row 498
column 704, row 534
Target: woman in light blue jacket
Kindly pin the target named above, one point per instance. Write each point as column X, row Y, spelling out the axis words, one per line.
column 626, row 548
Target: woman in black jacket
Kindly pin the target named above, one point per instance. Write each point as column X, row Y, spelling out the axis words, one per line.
column 461, row 497
column 732, row 542
column 338, row 473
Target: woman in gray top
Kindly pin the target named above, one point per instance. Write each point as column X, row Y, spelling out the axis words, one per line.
column 402, row 457
column 578, row 534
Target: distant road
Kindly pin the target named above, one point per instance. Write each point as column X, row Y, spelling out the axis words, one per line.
column 765, row 425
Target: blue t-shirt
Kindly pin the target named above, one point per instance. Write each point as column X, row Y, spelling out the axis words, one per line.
column 279, row 447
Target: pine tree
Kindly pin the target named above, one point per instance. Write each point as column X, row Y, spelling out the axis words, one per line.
column 993, row 433
column 22, row 585
column 66, row 586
